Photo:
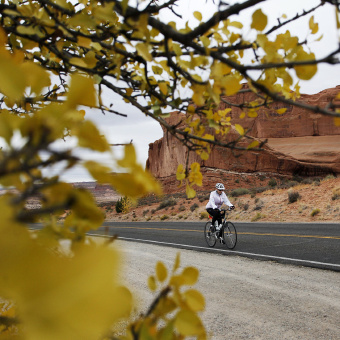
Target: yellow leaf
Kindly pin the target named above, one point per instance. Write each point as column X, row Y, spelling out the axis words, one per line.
column 314, row 27
column 204, row 155
column 188, row 323
column 90, row 59
column 177, row 262
column 252, row 113
column 306, row 72
column 219, row 69
column 198, row 15
column 36, row 76
column 143, row 51
column 190, row 192
column 161, row 271
column 282, row 110
column 84, row 42
column 195, row 300
column 136, row 181
column 12, row 82
column 190, row 275
column 236, row 24
column 164, row 88
column 130, row 159
column 259, row 20
column 81, row 92
column 337, row 121
column 337, row 17
column 205, row 41
column 195, row 175
column 129, row 91
column 157, row 70
column 80, row 62
column 152, row 283
column 177, row 49
column 209, row 136
column 89, row 137
column 239, row 129
column 180, row 173
column 231, row 84
column 253, row 144
column 102, row 174
column 30, row 30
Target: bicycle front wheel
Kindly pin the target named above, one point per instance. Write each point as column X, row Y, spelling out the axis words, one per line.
column 229, row 235
column 209, row 234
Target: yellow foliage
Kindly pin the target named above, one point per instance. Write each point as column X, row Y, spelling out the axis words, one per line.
column 259, row 20
column 51, row 306
column 314, row 27
column 81, row 92
column 174, row 313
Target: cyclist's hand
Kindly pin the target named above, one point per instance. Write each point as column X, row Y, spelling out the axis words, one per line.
column 232, row 207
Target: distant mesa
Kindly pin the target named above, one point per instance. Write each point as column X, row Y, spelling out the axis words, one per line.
column 299, row 143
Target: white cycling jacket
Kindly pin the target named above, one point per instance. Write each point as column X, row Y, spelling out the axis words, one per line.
column 216, row 200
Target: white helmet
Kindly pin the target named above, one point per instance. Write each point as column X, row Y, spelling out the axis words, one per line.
column 220, row 186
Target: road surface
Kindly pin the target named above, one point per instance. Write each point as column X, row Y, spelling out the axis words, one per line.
column 308, row 244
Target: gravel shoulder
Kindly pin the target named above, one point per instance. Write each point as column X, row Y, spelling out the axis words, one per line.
column 247, row 299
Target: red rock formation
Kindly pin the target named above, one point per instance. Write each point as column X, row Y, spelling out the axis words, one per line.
column 299, row 143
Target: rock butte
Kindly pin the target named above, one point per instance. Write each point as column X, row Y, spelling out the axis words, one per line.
column 299, row 143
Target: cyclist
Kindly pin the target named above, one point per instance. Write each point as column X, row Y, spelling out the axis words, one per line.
column 216, row 200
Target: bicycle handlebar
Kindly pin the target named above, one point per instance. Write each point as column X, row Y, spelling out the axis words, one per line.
column 227, row 209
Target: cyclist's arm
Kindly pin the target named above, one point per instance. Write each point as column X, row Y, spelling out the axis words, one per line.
column 226, row 200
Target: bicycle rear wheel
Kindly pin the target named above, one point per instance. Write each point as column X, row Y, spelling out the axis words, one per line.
column 229, row 235
column 209, row 234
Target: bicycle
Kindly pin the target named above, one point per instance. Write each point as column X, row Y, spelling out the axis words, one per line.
column 227, row 232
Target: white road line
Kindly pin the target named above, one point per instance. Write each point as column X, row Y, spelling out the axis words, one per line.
column 229, row 251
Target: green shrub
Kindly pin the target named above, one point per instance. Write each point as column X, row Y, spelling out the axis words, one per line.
column 170, row 202
column 293, row 196
column 259, row 205
column 194, row 207
column 329, row 177
column 204, row 215
column 315, row 212
column 123, row 205
column 239, row 192
column 181, row 208
column 164, row 217
column 336, row 194
column 272, row 183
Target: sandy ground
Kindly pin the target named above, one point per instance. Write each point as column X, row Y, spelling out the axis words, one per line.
column 247, row 299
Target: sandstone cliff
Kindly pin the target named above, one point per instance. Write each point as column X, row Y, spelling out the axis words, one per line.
column 299, row 143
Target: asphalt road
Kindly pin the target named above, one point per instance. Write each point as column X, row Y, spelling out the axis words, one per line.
column 314, row 245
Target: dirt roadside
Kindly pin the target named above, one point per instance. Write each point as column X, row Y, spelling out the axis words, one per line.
column 247, row 299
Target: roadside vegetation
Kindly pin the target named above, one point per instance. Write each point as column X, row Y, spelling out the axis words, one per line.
column 287, row 200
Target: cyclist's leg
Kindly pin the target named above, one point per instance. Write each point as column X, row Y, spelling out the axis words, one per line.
column 213, row 214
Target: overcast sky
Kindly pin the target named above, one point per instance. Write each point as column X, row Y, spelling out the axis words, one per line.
column 142, row 130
